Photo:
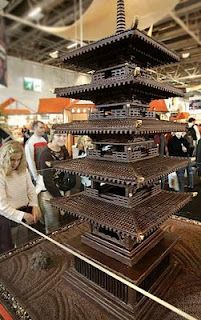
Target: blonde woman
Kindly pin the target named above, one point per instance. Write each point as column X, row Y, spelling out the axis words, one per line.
column 18, row 200
column 83, row 143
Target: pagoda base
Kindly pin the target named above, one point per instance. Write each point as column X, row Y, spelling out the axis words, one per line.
column 115, row 307
column 154, row 273
column 116, row 251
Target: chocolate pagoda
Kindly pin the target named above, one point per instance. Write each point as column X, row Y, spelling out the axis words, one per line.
column 125, row 205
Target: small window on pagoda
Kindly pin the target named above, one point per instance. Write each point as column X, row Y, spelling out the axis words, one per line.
column 109, row 149
column 109, row 190
column 108, row 233
column 108, row 74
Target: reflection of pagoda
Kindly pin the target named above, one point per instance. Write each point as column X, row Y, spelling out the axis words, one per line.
column 125, row 204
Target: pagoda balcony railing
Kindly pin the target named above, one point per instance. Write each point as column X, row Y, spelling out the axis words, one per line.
column 121, row 156
column 111, row 198
column 124, row 201
column 121, row 71
column 121, row 113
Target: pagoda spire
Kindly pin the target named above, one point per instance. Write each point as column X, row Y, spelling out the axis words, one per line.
column 121, row 20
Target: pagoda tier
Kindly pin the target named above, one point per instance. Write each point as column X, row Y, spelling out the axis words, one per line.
column 126, row 234
column 123, row 152
column 121, row 112
column 137, row 173
column 121, row 70
column 135, row 222
column 118, row 89
column 127, row 109
column 135, row 126
column 123, row 149
column 132, row 45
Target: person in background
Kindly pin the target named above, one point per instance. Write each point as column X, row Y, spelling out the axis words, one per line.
column 55, row 184
column 26, row 134
column 178, row 146
column 80, row 151
column 18, row 200
column 33, row 149
column 198, row 158
column 46, row 133
column 194, row 132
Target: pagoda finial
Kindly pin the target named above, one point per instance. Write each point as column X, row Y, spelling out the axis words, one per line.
column 121, row 20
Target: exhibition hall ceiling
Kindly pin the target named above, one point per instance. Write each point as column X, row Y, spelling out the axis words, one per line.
column 180, row 31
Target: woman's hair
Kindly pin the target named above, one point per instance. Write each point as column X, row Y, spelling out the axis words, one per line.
column 6, row 151
column 51, row 135
column 83, row 142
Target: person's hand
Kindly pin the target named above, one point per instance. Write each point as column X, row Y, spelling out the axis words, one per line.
column 29, row 218
column 184, row 149
column 36, row 214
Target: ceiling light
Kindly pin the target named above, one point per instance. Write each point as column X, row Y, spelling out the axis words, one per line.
column 72, row 45
column 33, row 13
column 54, row 54
column 185, row 55
column 78, row 110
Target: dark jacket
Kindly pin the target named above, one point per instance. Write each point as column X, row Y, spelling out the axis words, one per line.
column 198, row 157
column 192, row 132
column 175, row 147
column 49, row 174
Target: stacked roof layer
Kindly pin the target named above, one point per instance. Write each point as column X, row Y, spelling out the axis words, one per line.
column 131, row 45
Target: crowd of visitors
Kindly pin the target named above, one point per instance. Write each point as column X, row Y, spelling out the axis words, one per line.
column 28, row 181
column 185, row 144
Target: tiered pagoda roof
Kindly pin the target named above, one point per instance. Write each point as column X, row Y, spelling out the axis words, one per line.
column 132, row 48
column 119, row 89
column 119, row 126
column 133, row 222
column 133, row 173
column 129, row 45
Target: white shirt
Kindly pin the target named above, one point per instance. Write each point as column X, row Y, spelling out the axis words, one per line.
column 29, row 153
column 86, row 181
column 16, row 190
column 197, row 132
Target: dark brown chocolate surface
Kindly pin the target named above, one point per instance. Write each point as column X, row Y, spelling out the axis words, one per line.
column 119, row 89
column 147, row 51
column 119, row 83
column 130, row 103
column 140, row 220
column 124, row 140
column 44, row 295
column 119, row 126
column 136, row 173
column 136, row 273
